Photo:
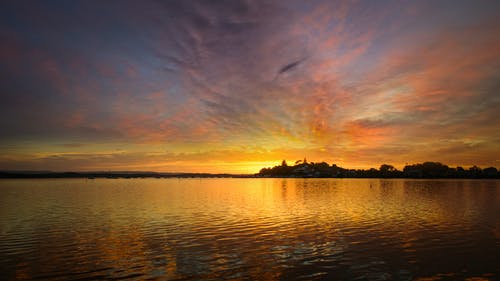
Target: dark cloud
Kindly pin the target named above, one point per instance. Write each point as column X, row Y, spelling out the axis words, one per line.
column 289, row 67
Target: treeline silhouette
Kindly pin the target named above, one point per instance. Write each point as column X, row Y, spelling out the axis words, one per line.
column 304, row 169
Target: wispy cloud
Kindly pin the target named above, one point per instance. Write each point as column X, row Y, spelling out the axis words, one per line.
column 344, row 81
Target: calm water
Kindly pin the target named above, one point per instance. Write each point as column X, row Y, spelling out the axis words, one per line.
column 265, row 229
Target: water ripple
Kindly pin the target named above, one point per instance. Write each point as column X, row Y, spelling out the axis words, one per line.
column 265, row 229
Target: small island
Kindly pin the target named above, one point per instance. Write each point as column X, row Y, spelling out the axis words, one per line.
column 304, row 169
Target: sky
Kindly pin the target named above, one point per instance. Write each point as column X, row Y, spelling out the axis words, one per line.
column 234, row 86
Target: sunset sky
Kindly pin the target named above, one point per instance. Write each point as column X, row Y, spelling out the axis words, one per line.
column 233, row 86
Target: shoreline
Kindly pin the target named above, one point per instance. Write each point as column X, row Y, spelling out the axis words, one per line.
column 134, row 175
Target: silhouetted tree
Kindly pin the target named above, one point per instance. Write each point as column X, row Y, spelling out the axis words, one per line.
column 490, row 172
column 474, row 172
column 387, row 171
column 385, row 168
column 460, row 172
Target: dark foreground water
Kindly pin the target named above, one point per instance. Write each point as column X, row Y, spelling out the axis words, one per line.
column 252, row 229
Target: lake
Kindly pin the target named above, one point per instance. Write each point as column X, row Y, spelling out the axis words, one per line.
column 250, row 229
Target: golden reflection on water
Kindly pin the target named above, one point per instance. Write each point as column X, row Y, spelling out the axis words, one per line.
column 248, row 228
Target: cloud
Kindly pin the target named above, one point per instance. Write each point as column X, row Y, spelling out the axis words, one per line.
column 289, row 67
column 198, row 76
